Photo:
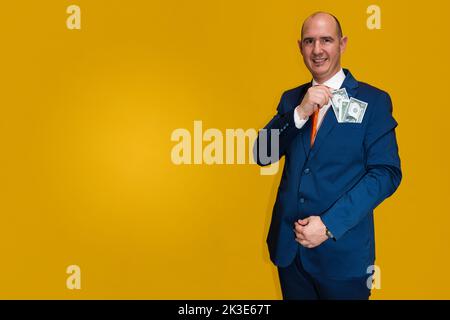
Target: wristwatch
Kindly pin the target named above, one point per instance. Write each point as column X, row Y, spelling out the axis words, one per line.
column 329, row 234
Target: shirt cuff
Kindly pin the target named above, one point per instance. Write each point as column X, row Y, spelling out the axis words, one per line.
column 299, row 123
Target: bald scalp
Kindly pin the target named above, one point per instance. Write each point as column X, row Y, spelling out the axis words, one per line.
column 338, row 24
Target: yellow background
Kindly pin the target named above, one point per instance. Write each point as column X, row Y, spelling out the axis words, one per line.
column 85, row 125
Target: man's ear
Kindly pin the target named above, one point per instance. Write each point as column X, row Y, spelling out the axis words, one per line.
column 343, row 44
column 299, row 42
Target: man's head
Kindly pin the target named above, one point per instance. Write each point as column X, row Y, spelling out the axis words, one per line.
column 321, row 45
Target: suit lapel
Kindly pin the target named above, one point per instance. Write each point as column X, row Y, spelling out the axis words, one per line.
column 350, row 84
column 329, row 121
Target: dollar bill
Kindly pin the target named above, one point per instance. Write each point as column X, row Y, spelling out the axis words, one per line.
column 339, row 96
column 354, row 111
column 343, row 110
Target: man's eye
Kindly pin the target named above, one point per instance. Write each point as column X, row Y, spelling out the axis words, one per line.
column 308, row 41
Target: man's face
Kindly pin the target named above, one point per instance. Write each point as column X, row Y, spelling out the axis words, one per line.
column 321, row 47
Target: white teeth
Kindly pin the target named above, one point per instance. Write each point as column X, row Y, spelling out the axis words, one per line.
column 319, row 60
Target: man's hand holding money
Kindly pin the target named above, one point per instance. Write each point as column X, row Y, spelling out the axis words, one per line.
column 315, row 98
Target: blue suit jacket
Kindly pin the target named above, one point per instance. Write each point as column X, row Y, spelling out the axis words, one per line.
column 351, row 169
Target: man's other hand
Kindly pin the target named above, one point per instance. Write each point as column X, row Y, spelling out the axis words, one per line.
column 310, row 232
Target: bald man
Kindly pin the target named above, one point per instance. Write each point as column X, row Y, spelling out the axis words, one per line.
column 337, row 170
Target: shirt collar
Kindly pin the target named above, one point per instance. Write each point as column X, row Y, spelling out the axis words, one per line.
column 335, row 82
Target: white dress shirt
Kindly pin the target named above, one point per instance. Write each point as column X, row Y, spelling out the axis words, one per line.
column 334, row 82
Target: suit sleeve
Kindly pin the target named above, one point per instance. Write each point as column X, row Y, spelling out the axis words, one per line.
column 382, row 177
column 282, row 128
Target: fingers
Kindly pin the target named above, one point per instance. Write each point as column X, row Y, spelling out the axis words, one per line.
column 305, row 243
column 298, row 227
column 315, row 99
column 320, row 95
column 299, row 235
column 299, row 232
column 301, row 238
column 306, row 233
column 327, row 90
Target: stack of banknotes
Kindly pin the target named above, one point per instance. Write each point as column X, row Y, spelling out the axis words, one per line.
column 347, row 109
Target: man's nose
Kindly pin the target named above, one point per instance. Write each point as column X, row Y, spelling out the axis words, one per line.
column 317, row 48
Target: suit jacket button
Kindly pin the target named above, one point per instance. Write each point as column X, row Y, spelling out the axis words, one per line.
column 302, row 200
column 306, row 171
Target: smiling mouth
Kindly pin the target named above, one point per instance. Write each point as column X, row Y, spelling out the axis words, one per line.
column 319, row 62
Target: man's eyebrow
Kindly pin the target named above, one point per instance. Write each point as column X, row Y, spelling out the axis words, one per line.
column 322, row 38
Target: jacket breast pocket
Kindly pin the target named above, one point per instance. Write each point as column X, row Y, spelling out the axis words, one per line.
column 347, row 139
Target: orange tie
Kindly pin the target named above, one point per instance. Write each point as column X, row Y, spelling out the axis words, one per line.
column 314, row 126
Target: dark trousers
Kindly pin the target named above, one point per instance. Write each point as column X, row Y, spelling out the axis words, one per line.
column 297, row 284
